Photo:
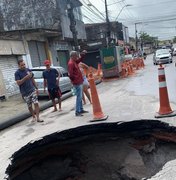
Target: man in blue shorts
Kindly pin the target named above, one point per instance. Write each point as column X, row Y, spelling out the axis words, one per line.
column 28, row 89
column 51, row 81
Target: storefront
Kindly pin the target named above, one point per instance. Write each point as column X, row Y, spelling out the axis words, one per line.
column 10, row 52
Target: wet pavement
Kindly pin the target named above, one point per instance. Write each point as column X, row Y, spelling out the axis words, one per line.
column 124, row 100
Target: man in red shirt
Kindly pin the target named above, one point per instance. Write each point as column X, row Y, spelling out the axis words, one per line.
column 77, row 79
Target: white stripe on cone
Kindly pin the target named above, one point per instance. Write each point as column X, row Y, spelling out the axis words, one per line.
column 161, row 72
column 162, row 84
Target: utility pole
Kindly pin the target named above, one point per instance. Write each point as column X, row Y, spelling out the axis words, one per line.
column 72, row 24
column 108, row 35
column 136, row 38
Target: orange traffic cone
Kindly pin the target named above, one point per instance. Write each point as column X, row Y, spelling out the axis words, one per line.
column 99, row 69
column 165, row 109
column 137, row 64
column 130, row 71
column 142, row 61
column 124, row 71
column 97, row 111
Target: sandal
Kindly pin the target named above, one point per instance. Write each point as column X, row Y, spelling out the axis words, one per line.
column 39, row 120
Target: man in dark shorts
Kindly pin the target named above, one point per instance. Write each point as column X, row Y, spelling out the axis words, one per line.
column 51, row 81
column 28, row 89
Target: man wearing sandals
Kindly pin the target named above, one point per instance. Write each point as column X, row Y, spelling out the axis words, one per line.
column 51, row 81
column 28, row 88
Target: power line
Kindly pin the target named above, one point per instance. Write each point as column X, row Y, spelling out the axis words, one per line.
column 89, row 14
column 97, row 13
column 96, row 8
column 130, row 13
column 158, row 20
column 152, row 4
column 116, row 2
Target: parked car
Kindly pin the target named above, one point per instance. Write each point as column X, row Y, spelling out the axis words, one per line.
column 174, row 52
column 169, row 47
column 64, row 83
column 162, row 56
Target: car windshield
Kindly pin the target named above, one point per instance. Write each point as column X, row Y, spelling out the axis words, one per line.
column 162, row 51
column 38, row 74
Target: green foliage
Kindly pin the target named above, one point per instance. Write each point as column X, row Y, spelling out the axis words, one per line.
column 146, row 38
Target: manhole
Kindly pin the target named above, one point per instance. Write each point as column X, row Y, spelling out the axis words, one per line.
column 109, row 151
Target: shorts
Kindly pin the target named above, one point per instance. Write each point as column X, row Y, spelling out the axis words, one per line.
column 54, row 93
column 85, row 82
column 31, row 98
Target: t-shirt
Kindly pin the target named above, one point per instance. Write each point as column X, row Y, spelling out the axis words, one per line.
column 27, row 87
column 51, row 77
column 75, row 73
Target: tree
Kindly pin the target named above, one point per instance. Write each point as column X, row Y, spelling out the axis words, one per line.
column 147, row 39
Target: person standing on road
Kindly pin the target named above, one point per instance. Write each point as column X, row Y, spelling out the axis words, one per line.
column 77, row 79
column 84, row 67
column 51, row 81
column 28, row 88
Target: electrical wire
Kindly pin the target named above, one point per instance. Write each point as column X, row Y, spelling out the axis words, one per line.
column 96, row 9
column 97, row 13
column 152, row 4
column 127, row 9
column 92, row 15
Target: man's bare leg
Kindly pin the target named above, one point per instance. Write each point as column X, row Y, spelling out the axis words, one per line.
column 32, row 113
column 59, row 101
column 37, row 110
column 54, row 105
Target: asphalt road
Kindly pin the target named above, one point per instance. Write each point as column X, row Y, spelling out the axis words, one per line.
column 124, row 100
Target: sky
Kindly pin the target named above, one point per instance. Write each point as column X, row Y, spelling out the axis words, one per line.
column 155, row 17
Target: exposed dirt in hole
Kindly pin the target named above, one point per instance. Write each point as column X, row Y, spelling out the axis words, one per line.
column 107, row 151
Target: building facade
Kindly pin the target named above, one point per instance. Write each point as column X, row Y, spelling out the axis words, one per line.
column 43, row 28
column 97, row 39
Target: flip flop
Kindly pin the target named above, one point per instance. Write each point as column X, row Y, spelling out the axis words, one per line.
column 39, row 120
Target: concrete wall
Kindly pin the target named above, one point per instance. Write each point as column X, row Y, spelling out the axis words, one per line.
column 56, row 46
column 96, row 31
column 32, row 14
column 65, row 21
column 29, row 14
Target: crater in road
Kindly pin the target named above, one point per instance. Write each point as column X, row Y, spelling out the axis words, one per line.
column 110, row 151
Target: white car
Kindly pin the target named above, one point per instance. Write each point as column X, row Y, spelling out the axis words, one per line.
column 174, row 52
column 162, row 56
column 64, row 82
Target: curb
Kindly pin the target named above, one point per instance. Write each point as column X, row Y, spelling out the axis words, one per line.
column 11, row 121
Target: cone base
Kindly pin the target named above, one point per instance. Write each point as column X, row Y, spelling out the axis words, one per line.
column 157, row 115
column 100, row 119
